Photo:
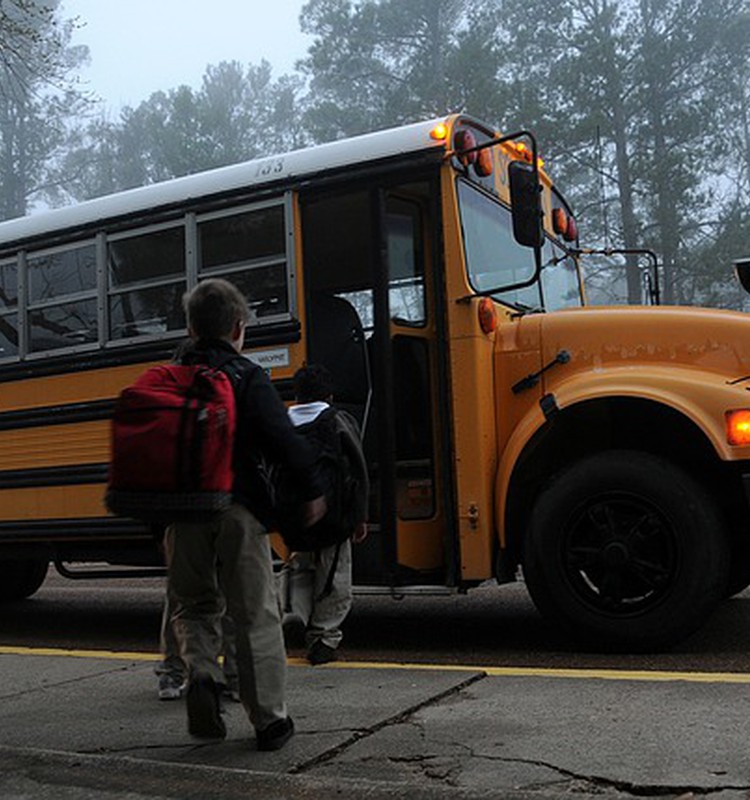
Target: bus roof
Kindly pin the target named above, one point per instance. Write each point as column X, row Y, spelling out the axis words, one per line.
column 267, row 170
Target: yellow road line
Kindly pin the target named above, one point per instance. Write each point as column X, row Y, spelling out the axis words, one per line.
column 570, row 673
column 118, row 655
column 500, row 672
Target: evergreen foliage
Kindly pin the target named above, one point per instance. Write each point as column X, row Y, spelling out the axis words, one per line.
column 642, row 109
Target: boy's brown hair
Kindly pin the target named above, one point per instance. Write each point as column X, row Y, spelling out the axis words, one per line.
column 213, row 308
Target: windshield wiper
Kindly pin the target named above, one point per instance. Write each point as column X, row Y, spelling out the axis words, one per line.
column 522, row 309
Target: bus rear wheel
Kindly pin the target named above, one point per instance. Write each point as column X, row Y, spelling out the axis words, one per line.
column 21, row 578
column 626, row 552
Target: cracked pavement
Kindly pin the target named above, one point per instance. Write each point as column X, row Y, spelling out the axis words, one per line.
column 92, row 727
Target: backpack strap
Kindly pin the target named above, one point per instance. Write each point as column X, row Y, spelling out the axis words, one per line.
column 234, row 366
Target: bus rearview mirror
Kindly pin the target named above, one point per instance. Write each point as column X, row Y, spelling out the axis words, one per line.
column 526, row 204
column 742, row 271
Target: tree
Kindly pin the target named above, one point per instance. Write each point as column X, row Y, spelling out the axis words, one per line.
column 23, row 25
column 681, row 50
column 728, row 160
column 236, row 115
column 623, row 90
column 379, row 63
column 37, row 99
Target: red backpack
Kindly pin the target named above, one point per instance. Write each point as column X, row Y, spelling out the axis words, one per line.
column 172, row 440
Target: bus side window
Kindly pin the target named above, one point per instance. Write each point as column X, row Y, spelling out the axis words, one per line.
column 9, row 309
column 62, row 307
column 146, row 281
column 249, row 248
column 406, row 262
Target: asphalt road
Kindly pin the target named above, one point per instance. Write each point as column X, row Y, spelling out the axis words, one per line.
column 491, row 626
column 75, row 728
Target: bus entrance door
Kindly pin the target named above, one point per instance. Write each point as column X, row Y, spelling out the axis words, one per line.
column 365, row 267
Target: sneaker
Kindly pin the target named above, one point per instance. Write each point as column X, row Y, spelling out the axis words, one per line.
column 320, row 653
column 204, row 710
column 171, row 687
column 294, row 631
column 276, row 735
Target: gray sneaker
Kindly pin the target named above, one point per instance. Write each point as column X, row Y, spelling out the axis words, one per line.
column 171, row 687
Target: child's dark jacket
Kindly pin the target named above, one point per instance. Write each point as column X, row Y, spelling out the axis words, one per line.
column 263, row 430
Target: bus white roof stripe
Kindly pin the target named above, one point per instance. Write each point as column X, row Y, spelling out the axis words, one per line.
column 281, row 167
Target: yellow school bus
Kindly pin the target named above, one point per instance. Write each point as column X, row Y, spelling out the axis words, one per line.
column 510, row 430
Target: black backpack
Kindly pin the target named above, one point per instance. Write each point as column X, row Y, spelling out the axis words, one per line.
column 334, row 467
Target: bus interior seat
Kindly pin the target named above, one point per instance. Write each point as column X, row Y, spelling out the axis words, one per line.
column 337, row 341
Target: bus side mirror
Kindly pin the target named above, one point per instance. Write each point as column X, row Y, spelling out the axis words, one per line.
column 742, row 271
column 526, row 204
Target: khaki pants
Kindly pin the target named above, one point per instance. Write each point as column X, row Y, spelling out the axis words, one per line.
column 235, row 544
column 302, row 589
column 172, row 664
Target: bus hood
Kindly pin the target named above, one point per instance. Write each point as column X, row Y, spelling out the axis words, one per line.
column 694, row 360
column 612, row 337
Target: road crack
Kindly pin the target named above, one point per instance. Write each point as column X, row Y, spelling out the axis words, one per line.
column 627, row 787
column 396, row 719
column 46, row 687
column 444, row 769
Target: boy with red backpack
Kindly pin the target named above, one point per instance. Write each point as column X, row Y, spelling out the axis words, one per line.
column 230, row 550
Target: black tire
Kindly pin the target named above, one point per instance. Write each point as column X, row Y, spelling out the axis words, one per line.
column 626, row 552
column 739, row 568
column 21, row 578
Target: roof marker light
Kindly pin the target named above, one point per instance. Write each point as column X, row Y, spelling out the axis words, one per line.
column 439, row 132
column 571, row 234
column 560, row 220
column 524, row 152
column 462, row 141
column 483, row 166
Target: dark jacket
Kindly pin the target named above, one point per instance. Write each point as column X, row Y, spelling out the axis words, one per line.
column 264, row 432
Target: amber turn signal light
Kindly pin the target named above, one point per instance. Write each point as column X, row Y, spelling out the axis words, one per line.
column 488, row 316
column 738, row 426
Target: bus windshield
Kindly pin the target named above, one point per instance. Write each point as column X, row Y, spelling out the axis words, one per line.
column 494, row 258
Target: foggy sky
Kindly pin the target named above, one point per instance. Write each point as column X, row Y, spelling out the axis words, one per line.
column 140, row 46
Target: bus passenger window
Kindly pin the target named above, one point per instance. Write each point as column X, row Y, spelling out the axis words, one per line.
column 61, row 273
column 62, row 310
column 146, row 282
column 238, row 239
column 406, row 263
column 8, row 285
column 249, row 249
column 265, row 288
column 8, row 335
column 8, row 309
column 146, row 256
column 63, row 325
column 149, row 310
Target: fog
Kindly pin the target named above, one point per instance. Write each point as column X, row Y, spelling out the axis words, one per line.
column 142, row 46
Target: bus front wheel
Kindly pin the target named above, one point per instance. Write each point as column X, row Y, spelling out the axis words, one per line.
column 626, row 552
column 21, row 578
